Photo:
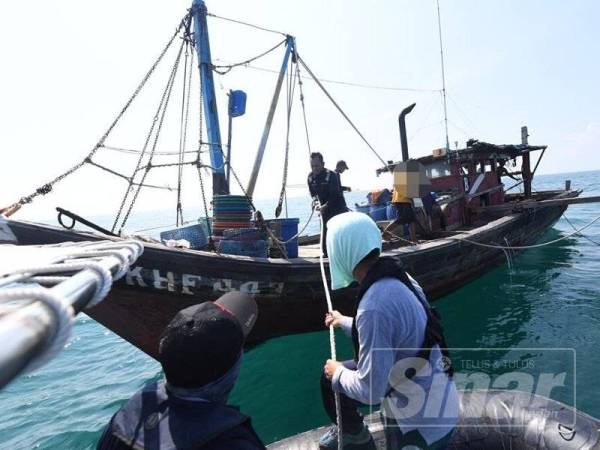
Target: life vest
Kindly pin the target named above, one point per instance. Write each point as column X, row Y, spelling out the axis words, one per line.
column 327, row 188
column 387, row 267
column 154, row 420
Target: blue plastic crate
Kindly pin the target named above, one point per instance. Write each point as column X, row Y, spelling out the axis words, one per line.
column 194, row 234
column 255, row 249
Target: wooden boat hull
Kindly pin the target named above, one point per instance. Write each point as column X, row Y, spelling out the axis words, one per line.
column 290, row 293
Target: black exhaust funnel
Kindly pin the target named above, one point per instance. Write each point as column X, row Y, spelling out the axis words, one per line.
column 402, row 125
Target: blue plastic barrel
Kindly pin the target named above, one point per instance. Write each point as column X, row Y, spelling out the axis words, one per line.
column 285, row 229
column 377, row 212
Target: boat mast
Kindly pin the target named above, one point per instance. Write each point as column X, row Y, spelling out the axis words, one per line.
column 443, row 74
column 290, row 48
column 207, row 85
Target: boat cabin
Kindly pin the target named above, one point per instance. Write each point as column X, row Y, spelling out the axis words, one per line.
column 465, row 179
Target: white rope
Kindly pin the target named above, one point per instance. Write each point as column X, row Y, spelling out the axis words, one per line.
column 398, row 238
column 60, row 309
column 136, row 248
column 338, row 410
column 126, row 253
column 121, row 254
column 525, row 247
column 48, row 280
column 582, row 235
column 103, row 284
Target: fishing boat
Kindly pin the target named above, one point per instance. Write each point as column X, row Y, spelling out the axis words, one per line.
column 478, row 218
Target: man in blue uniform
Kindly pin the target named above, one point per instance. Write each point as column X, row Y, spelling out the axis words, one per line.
column 325, row 186
column 201, row 353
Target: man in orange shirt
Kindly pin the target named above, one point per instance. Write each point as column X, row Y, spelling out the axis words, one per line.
column 405, row 215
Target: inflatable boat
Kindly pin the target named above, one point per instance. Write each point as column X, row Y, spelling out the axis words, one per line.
column 494, row 419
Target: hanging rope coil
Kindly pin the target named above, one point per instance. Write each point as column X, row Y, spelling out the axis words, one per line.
column 23, row 320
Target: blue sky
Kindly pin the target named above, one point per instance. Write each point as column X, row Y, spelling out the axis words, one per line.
column 69, row 65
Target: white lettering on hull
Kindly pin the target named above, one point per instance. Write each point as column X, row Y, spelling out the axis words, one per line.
column 190, row 284
column 189, row 281
column 135, row 273
column 167, row 282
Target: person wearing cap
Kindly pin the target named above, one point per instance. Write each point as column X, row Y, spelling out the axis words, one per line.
column 399, row 347
column 201, row 354
column 340, row 168
column 324, row 186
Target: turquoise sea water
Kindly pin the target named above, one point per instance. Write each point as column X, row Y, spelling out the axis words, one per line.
column 550, row 298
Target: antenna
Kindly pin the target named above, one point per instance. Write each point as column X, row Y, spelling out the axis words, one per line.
column 443, row 74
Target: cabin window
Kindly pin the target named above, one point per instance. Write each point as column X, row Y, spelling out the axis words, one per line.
column 438, row 169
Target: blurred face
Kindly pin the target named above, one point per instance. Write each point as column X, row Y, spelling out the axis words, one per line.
column 316, row 166
column 341, row 169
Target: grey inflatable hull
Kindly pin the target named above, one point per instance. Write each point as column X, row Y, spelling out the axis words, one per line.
column 495, row 420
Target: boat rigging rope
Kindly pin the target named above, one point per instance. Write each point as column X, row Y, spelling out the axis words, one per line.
column 137, row 152
column 46, row 188
column 291, row 87
column 156, row 122
column 316, row 80
column 228, row 67
column 185, row 114
column 332, row 346
column 576, row 232
column 352, row 84
column 303, row 108
column 579, row 234
column 525, row 247
column 247, row 24
column 120, row 175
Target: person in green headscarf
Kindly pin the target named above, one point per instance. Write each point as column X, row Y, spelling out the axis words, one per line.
column 393, row 318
